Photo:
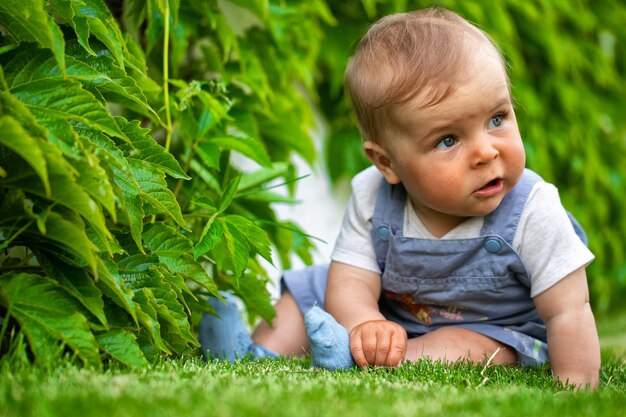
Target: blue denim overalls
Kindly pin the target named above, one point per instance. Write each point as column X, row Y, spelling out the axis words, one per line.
column 478, row 283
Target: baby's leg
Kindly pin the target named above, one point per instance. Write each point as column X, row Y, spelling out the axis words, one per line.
column 452, row 344
column 287, row 335
column 225, row 336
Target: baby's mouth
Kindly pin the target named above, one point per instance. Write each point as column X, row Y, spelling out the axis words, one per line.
column 493, row 183
column 493, row 187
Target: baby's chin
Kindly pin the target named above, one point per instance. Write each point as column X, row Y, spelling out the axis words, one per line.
column 481, row 209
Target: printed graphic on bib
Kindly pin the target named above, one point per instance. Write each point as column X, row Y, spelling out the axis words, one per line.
column 423, row 312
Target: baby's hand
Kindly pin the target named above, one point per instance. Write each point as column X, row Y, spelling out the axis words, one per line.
column 379, row 343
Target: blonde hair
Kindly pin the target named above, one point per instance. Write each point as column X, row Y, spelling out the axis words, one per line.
column 404, row 55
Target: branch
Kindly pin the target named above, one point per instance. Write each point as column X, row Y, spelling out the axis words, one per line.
column 166, row 93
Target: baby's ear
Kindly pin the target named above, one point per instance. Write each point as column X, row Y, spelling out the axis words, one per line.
column 379, row 157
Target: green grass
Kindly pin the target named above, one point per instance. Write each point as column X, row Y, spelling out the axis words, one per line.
column 291, row 388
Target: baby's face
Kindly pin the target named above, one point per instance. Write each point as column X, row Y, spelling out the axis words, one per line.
column 460, row 157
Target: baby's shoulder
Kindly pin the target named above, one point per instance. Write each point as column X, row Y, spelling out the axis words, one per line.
column 368, row 178
column 543, row 195
column 365, row 187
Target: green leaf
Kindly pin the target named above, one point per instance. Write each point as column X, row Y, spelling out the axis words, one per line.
column 51, row 100
column 209, row 154
column 143, row 147
column 113, row 82
column 147, row 314
column 211, row 235
column 94, row 179
column 263, row 196
column 68, row 232
column 229, row 193
column 150, row 288
column 254, row 235
column 48, row 316
column 174, row 250
column 14, row 137
column 171, row 313
column 13, row 221
column 97, row 71
column 179, row 286
column 212, row 106
column 247, row 146
column 259, row 7
column 214, row 110
column 370, row 8
column 65, row 190
column 103, row 147
column 226, row 36
column 122, row 346
column 232, row 251
column 92, row 17
column 127, row 190
column 11, row 106
column 284, row 134
column 24, row 64
column 260, row 177
column 65, row 14
column 78, row 283
column 205, row 175
column 154, row 192
column 138, row 262
column 131, row 202
column 28, row 21
column 252, row 290
column 111, row 284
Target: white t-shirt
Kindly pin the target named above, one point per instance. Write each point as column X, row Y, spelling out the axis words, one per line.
column 545, row 239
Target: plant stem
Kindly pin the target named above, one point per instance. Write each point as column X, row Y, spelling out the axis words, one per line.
column 5, row 322
column 166, row 98
column 179, row 184
column 5, row 243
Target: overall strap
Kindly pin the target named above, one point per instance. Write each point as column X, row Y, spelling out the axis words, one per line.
column 388, row 218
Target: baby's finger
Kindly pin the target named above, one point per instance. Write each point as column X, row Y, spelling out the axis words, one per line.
column 383, row 348
column 369, row 343
column 356, row 348
column 397, row 349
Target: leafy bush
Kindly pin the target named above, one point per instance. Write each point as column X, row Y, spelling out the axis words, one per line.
column 121, row 205
column 567, row 70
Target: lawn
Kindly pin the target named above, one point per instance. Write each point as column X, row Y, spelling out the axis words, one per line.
column 291, row 388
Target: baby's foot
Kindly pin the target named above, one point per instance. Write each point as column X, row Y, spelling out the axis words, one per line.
column 330, row 341
column 226, row 337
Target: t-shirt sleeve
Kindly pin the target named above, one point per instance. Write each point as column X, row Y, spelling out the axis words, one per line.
column 546, row 241
column 354, row 243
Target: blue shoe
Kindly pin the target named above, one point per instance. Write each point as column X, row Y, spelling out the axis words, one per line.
column 329, row 341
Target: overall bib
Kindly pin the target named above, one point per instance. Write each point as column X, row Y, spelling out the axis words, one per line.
column 478, row 283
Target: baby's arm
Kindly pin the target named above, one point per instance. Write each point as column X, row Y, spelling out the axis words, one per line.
column 573, row 344
column 352, row 298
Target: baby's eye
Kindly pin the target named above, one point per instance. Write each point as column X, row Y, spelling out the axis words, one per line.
column 496, row 121
column 446, row 143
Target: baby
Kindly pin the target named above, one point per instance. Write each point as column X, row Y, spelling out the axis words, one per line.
column 449, row 249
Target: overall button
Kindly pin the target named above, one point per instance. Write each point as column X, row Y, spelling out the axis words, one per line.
column 493, row 245
column 383, row 233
